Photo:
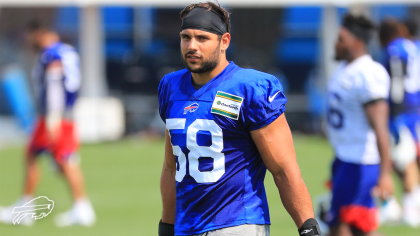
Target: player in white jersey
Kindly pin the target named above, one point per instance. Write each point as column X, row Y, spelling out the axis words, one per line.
column 358, row 132
column 57, row 82
column 350, row 88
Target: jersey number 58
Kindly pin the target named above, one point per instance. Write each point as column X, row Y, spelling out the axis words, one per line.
column 214, row 150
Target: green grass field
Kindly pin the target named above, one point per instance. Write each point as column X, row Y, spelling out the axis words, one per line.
column 123, row 184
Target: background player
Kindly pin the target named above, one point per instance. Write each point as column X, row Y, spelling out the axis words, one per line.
column 57, row 81
column 402, row 64
column 358, row 131
column 225, row 127
column 412, row 30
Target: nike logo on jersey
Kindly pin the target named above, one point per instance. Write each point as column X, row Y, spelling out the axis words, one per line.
column 191, row 108
column 270, row 99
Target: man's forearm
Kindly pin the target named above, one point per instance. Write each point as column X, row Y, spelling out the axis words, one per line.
column 383, row 148
column 295, row 196
column 378, row 118
column 167, row 189
column 378, row 115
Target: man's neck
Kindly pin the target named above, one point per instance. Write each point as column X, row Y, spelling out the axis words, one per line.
column 50, row 40
column 203, row 78
column 356, row 55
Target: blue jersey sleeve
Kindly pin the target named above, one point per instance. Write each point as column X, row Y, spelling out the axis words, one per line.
column 163, row 98
column 50, row 56
column 396, row 59
column 265, row 102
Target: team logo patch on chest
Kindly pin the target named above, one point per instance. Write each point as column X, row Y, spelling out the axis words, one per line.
column 191, row 108
column 226, row 104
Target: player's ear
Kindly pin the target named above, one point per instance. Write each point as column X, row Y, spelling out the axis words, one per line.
column 224, row 41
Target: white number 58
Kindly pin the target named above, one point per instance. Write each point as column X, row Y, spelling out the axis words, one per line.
column 214, row 151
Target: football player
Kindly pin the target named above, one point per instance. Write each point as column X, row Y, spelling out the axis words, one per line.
column 412, row 29
column 225, row 127
column 357, row 128
column 57, row 80
column 402, row 64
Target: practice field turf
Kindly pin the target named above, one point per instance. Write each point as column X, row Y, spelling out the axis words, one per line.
column 123, row 184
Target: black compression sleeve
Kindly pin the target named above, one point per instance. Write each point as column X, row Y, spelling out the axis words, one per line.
column 310, row 228
column 166, row 229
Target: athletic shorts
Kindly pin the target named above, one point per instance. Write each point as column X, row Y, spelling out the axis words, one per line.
column 240, row 230
column 352, row 201
column 411, row 121
column 61, row 149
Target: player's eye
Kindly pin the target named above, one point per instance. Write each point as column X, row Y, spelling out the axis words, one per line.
column 185, row 37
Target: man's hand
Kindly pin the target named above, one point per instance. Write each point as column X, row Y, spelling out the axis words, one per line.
column 385, row 187
column 54, row 122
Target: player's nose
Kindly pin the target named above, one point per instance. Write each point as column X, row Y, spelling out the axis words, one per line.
column 193, row 46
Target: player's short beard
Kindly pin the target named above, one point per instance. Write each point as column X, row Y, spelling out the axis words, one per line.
column 206, row 65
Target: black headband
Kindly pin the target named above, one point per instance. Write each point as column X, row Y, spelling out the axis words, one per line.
column 202, row 19
column 362, row 33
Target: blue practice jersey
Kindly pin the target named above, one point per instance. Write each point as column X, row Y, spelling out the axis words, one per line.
column 417, row 43
column 71, row 80
column 220, row 173
column 402, row 63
